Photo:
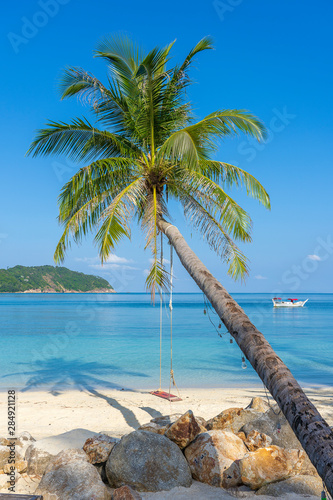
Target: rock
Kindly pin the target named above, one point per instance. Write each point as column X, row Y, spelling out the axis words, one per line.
column 98, row 448
column 20, row 466
column 241, row 435
column 126, row 493
column 212, row 455
column 24, row 440
column 232, row 419
column 40, row 453
column 71, row 477
column 166, row 419
column 274, row 424
column 184, row 430
column 5, row 452
column 257, row 440
column 37, row 460
column 153, row 427
column 267, row 465
column 67, row 440
column 301, row 485
column 101, row 471
column 201, row 421
column 3, row 480
column 258, row 404
column 147, row 462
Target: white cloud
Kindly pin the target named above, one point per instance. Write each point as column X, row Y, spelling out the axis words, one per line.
column 112, row 263
column 259, row 277
column 165, row 261
column 110, row 267
column 145, row 272
column 314, row 257
column 112, row 259
column 88, row 260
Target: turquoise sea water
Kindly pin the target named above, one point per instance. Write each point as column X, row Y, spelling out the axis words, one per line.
column 92, row 341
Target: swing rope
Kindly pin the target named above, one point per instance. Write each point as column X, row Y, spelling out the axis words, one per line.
column 172, row 375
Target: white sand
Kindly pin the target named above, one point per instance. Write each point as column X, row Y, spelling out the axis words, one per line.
column 119, row 412
column 44, row 414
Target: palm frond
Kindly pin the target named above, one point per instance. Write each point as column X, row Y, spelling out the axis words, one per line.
column 107, row 175
column 79, row 140
column 230, row 175
column 213, row 232
column 80, row 83
column 235, row 220
column 116, row 217
column 158, row 278
column 180, row 76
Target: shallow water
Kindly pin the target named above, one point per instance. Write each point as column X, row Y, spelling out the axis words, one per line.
column 59, row 341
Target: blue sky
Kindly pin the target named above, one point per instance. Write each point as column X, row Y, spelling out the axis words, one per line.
column 273, row 58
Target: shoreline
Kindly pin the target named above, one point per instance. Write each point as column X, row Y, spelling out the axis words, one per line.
column 118, row 412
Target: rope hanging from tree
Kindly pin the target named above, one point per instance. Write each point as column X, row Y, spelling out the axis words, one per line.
column 172, row 375
column 161, row 393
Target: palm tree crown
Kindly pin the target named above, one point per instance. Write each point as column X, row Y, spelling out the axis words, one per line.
column 148, row 148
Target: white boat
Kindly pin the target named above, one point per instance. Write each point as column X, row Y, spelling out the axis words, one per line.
column 278, row 302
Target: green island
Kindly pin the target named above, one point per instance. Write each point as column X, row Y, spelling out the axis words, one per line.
column 50, row 279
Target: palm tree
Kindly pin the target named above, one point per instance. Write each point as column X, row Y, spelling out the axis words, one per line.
column 148, row 149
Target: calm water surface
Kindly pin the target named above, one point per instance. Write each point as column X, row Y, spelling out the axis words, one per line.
column 112, row 341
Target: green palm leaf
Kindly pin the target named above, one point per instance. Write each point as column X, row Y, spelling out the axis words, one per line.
column 146, row 147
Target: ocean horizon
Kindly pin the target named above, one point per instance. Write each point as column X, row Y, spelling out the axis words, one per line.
column 86, row 341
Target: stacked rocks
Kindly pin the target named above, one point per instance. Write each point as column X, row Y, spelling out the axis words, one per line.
column 252, row 448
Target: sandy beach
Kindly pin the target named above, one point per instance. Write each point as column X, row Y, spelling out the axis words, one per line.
column 117, row 412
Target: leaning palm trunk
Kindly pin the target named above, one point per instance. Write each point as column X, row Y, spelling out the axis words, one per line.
column 309, row 427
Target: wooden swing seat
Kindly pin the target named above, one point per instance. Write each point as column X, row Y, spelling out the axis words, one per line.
column 166, row 395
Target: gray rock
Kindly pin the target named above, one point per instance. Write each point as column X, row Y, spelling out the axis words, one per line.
column 274, row 424
column 98, row 448
column 37, row 460
column 213, row 458
column 153, row 427
column 40, row 453
column 232, row 419
column 147, row 462
column 126, row 493
column 302, row 485
column 184, row 430
column 101, row 471
column 71, row 477
column 5, row 451
column 258, row 404
column 166, row 419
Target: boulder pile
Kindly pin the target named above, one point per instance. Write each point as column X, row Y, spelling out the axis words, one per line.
column 252, row 449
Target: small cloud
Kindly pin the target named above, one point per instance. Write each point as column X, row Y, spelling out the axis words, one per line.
column 259, row 277
column 112, row 259
column 112, row 263
column 165, row 261
column 112, row 267
column 314, row 257
column 145, row 272
column 88, row 260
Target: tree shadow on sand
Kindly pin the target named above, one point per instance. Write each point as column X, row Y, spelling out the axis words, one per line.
column 58, row 375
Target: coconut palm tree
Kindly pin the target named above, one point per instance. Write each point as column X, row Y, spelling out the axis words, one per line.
column 146, row 149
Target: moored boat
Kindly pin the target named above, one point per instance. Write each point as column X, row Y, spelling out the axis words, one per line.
column 278, row 302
